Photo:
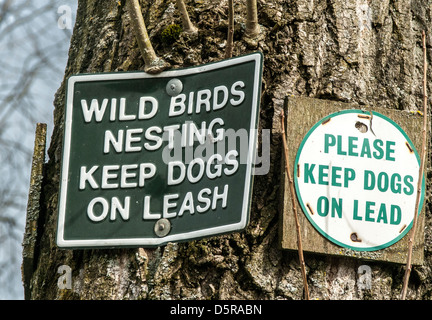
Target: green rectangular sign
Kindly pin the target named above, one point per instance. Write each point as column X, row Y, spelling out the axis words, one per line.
column 151, row 159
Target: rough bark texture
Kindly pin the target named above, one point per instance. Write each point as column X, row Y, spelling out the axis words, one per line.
column 358, row 51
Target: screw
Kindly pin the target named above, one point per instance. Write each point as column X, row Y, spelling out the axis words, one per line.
column 174, row 87
column 162, row 227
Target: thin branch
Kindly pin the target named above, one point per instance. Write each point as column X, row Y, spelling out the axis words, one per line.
column 188, row 26
column 8, row 220
column 24, row 20
column 420, row 178
column 293, row 199
column 252, row 27
column 20, row 90
column 5, row 10
column 153, row 64
column 230, row 37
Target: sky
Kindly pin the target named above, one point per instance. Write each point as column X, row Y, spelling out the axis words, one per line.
column 34, row 43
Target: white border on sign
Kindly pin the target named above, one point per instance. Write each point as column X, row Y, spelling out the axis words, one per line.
column 61, row 242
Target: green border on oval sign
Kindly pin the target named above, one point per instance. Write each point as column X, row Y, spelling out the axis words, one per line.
column 300, row 200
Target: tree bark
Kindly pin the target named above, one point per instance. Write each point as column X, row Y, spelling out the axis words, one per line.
column 362, row 52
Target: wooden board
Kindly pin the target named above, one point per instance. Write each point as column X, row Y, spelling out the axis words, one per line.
column 301, row 115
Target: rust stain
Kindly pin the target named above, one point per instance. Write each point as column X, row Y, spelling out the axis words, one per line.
column 354, row 237
column 310, row 208
column 363, row 116
column 326, row 121
column 409, row 147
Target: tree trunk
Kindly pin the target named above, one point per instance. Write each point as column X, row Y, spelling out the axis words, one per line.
column 357, row 51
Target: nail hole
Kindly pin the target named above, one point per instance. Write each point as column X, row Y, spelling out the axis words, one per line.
column 354, row 237
column 360, row 126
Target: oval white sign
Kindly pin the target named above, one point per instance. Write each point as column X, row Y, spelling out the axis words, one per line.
column 356, row 177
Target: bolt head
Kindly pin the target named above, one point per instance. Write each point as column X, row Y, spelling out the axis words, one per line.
column 174, row 87
column 162, row 227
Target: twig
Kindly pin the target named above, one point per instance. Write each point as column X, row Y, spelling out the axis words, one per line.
column 252, row 27
column 188, row 27
column 153, row 64
column 230, row 37
column 420, row 178
column 293, row 199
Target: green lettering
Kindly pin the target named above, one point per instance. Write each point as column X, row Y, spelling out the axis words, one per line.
column 369, row 185
column 365, row 151
column 349, row 176
column 335, row 176
column 339, row 146
column 382, row 214
column 352, row 146
column 308, row 173
column 323, row 206
column 395, row 183
column 409, row 189
column 369, row 211
column 322, row 175
column 336, row 208
column 389, row 150
column 395, row 214
column 383, row 182
column 329, row 141
column 355, row 211
column 378, row 144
